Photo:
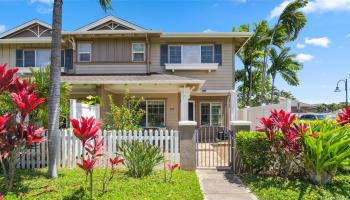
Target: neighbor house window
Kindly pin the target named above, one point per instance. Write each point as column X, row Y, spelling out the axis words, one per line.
column 138, row 52
column 191, row 54
column 42, row 58
column 85, row 52
column 211, row 114
column 36, row 57
column 154, row 113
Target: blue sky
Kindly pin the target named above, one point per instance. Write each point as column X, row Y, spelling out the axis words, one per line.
column 323, row 45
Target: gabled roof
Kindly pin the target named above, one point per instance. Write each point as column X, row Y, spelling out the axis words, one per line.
column 22, row 26
column 108, row 19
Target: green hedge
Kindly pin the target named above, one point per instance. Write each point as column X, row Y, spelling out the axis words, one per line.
column 253, row 150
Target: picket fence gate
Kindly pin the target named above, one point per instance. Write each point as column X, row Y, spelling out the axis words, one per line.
column 70, row 150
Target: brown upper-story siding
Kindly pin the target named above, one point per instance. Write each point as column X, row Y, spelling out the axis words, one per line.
column 220, row 79
column 110, row 55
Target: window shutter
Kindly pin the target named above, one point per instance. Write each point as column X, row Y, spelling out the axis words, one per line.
column 163, row 54
column 19, row 58
column 62, row 58
column 218, row 54
column 68, row 61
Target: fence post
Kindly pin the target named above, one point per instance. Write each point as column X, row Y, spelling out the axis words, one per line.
column 237, row 126
column 187, row 145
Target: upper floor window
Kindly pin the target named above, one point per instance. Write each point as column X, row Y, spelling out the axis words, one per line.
column 138, row 52
column 175, row 55
column 85, row 52
column 191, row 54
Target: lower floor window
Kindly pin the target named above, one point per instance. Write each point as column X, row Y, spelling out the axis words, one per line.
column 154, row 113
column 211, row 114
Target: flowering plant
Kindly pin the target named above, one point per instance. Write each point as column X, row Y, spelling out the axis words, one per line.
column 16, row 134
column 86, row 130
column 114, row 162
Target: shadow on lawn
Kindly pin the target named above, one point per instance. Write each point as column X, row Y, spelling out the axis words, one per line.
column 21, row 176
column 301, row 186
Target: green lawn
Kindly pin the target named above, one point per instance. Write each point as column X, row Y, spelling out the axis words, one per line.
column 35, row 185
column 273, row 188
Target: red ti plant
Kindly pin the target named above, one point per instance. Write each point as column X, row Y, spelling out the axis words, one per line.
column 15, row 133
column 288, row 147
column 114, row 162
column 86, row 129
column 171, row 167
column 344, row 117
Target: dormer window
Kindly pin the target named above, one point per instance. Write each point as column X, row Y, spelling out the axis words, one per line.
column 138, row 52
column 85, row 52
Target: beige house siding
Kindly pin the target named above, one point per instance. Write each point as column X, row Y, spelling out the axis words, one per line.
column 105, row 68
column 221, row 79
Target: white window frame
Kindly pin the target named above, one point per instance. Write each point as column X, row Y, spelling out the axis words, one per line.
column 210, row 114
column 212, row 45
column 23, row 60
column 87, row 52
column 175, row 45
column 132, row 51
column 146, row 112
column 194, row 108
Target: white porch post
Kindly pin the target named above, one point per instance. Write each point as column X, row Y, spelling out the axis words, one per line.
column 185, row 96
column 234, row 105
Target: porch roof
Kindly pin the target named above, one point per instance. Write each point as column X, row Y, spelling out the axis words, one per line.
column 131, row 79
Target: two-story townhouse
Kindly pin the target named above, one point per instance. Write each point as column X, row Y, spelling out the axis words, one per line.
column 182, row 76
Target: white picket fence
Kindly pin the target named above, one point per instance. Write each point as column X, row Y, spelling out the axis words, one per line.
column 71, row 150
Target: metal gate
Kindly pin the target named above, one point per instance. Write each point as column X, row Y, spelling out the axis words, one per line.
column 214, row 146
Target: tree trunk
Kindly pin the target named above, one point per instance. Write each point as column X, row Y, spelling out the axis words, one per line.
column 272, row 88
column 250, row 86
column 263, row 78
column 55, row 83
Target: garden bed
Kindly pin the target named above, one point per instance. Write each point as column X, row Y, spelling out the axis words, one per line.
column 276, row 188
column 33, row 184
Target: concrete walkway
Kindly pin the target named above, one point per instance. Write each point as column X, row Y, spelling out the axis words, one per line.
column 222, row 185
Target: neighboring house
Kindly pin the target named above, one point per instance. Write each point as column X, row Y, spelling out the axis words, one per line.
column 182, row 76
column 301, row 107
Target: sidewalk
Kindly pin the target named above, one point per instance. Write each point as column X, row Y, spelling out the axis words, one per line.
column 222, row 185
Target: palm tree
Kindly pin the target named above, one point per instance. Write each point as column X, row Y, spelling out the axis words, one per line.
column 289, row 23
column 284, row 64
column 55, row 81
column 250, row 56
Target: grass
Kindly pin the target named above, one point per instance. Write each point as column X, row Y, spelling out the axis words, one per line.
column 275, row 188
column 33, row 184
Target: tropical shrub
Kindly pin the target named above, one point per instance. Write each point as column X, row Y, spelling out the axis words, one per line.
column 41, row 77
column 318, row 125
column 326, row 152
column 93, row 100
column 16, row 134
column 254, row 151
column 140, row 158
column 128, row 115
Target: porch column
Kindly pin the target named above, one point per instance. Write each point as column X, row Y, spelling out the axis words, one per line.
column 185, row 96
column 234, row 105
column 187, row 136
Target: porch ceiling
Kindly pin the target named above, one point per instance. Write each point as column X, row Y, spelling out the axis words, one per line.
column 146, row 83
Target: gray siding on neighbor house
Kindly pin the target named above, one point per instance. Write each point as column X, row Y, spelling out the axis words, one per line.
column 221, row 79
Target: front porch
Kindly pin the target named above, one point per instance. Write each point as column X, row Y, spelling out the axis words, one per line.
column 168, row 99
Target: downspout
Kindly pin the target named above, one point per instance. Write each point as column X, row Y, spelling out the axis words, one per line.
column 148, row 55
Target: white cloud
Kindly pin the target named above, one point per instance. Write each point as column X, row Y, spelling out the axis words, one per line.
column 240, row 1
column 304, row 57
column 208, row 30
column 300, row 46
column 44, row 9
column 314, row 6
column 327, row 5
column 48, row 2
column 348, row 35
column 2, row 28
column 322, row 41
column 279, row 9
